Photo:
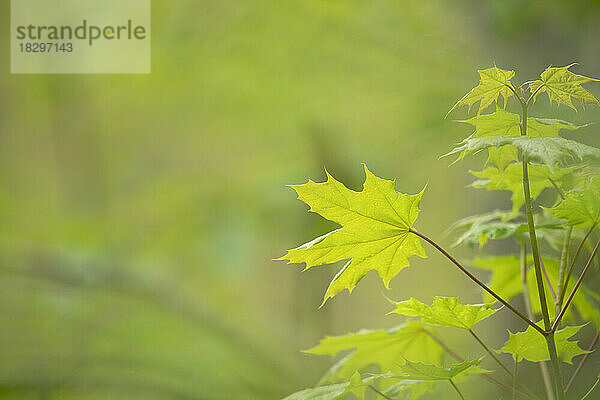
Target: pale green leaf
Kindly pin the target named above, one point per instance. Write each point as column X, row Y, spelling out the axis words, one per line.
column 531, row 345
column 382, row 348
column 493, row 82
column 511, row 179
column 479, row 229
column 375, row 232
column 543, row 150
column 561, row 85
column 445, row 311
column 501, row 123
column 581, row 208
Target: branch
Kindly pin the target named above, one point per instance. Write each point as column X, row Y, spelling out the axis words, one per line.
column 480, row 283
column 579, row 281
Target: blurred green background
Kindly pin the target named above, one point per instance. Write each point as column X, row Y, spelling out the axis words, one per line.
column 140, row 214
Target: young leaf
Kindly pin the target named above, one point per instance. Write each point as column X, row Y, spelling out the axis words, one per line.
column 544, row 150
column 582, row 208
column 382, row 348
column 531, row 346
column 493, row 82
column 511, row 179
column 561, row 85
column 426, row 372
column 445, row 311
column 501, row 157
column 375, row 232
column 503, row 123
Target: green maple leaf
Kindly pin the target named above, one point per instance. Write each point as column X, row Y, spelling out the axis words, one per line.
column 478, row 229
column 561, row 85
column 445, row 311
column 375, row 232
column 417, row 388
column 427, row 372
column 511, row 179
column 382, row 348
column 531, row 346
column 493, row 82
column 581, row 208
column 544, row 150
column 503, row 123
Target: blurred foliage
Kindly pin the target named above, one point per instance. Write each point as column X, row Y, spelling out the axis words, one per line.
column 140, row 214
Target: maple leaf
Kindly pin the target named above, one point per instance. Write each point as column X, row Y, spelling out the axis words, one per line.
column 478, row 229
column 445, row 311
column 531, row 346
column 502, row 122
column 493, row 82
column 581, row 208
column 561, row 85
column 381, row 347
column 511, row 179
column 544, row 150
column 375, row 232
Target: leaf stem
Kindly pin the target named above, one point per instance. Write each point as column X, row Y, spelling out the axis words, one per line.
column 491, row 354
column 558, row 385
column 561, row 297
column 456, row 388
column 582, row 362
column 480, row 283
column 579, row 281
column 373, row 388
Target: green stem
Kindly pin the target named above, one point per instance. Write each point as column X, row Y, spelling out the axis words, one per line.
column 591, row 390
column 527, row 300
column 456, row 388
column 558, row 385
column 564, row 259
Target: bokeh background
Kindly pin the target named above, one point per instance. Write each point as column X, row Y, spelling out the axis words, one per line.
column 139, row 215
